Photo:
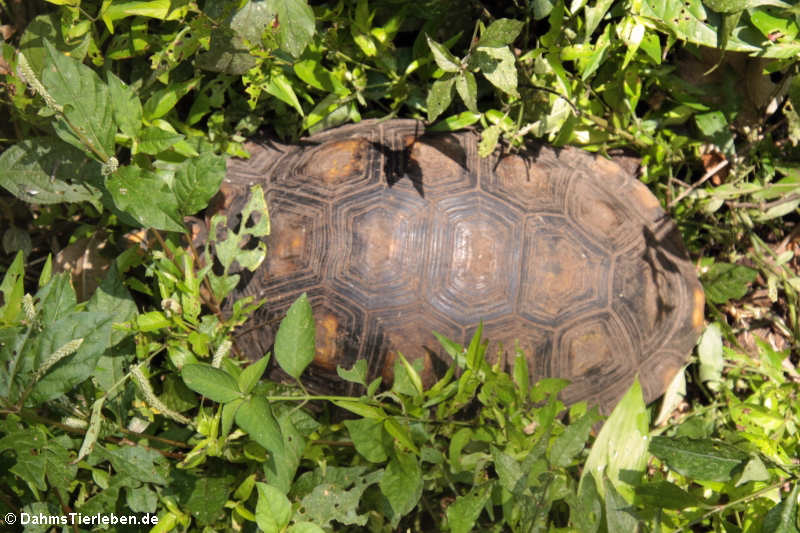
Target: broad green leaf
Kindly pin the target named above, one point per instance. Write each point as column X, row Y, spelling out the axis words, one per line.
column 273, row 509
column 444, row 59
column 587, row 507
column 360, row 408
column 45, row 170
column 703, row 460
column 665, row 495
column 280, row 87
column 48, row 28
column 402, row 483
column 783, row 517
column 725, row 281
column 463, row 513
column 114, row 11
column 145, row 197
column 570, row 443
column 295, row 25
column 211, row 382
column 13, row 290
column 294, row 342
column 281, row 466
column 197, row 180
column 620, row 449
column 152, row 321
column 736, row 6
column 501, row 32
column 252, row 374
column 401, row 432
column 112, row 297
column 489, row 139
column 336, row 496
column 754, row 470
column 57, row 299
column 135, row 462
column 163, row 100
column 95, row 330
column 313, row 73
column 594, row 14
column 153, row 140
column 467, row 89
column 369, row 439
column 256, row 418
column 305, row 527
column 357, row 374
column 618, row 511
column 497, row 65
column 439, row 96
column 126, row 106
column 85, row 101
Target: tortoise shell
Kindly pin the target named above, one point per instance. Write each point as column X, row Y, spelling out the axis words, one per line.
column 395, row 233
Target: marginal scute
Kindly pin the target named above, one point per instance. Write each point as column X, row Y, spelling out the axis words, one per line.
column 396, row 234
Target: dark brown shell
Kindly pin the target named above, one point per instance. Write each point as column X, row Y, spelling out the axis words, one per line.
column 394, row 233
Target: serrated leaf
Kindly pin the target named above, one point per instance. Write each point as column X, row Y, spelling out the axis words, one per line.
column 439, row 96
column 46, row 171
column 86, row 103
column 463, row 513
column 703, row 460
column 153, row 140
column 126, row 106
column 296, row 25
column 573, row 440
column 294, row 342
column 725, row 281
column 444, row 59
column 402, row 484
column 197, row 180
column 211, row 382
column 467, row 89
column 497, row 64
column 501, row 32
column 273, row 509
column 145, row 197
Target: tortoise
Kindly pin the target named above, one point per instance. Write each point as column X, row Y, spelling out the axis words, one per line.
column 395, row 233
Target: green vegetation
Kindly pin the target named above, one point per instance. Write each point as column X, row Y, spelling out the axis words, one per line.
column 124, row 394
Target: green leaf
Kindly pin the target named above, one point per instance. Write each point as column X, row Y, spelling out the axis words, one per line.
column 252, row 374
column 85, row 100
column 357, row 374
column 48, row 28
column 95, row 330
column 570, row 443
column 113, row 298
column 754, row 470
column 444, row 59
column 709, row 350
column 256, row 418
column 587, row 507
column 439, row 96
column 331, row 500
column 294, row 342
column 360, row 408
column 13, row 290
column 295, row 25
column 145, row 197
column 163, row 100
column 665, row 495
column 620, row 449
column 211, row 382
column 783, row 517
column 135, row 462
column 119, row 10
column 280, row 87
column 489, row 138
column 463, row 513
column 594, row 14
column 197, row 180
column 725, row 281
column 153, row 140
column 314, row 74
column 369, row 438
column 497, row 65
column 501, row 32
column 456, row 122
column 305, row 527
column 47, row 171
column 402, row 483
column 618, row 511
column 467, row 89
column 273, row 509
column 703, row 460
column 126, row 106
column 152, row 321
column 281, row 467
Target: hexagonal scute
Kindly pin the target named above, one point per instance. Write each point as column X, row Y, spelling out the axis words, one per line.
column 474, row 265
column 296, row 248
column 530, row 186
column 594, row 353
column 408, row 330
column 380, row 240
column 562, row 275
column 436, row 165
column 603, row 218
column 507, row 334
column 333, row 168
